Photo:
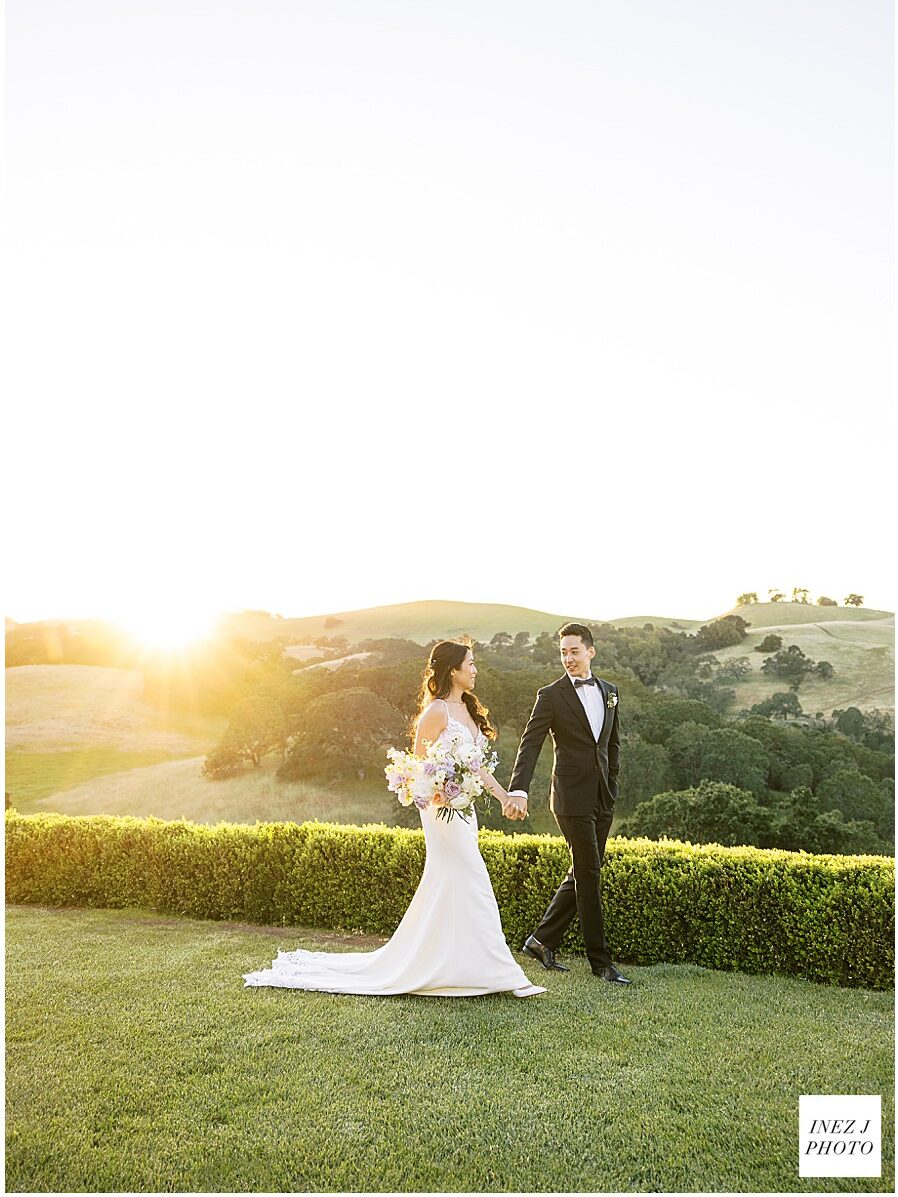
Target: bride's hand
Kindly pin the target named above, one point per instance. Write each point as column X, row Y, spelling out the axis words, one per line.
column 514, row 807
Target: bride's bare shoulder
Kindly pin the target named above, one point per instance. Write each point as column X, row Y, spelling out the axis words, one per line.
column 433, row 719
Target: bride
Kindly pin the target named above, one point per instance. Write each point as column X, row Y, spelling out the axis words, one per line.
column 449, row 942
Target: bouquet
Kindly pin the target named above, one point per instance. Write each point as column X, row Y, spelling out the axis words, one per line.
column 446, row 777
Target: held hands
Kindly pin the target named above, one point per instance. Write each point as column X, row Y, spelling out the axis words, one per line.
column 514, row 806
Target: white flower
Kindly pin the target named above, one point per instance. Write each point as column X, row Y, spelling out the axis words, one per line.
column 454, row 762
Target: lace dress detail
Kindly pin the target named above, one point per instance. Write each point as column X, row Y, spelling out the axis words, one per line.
column 448, row 944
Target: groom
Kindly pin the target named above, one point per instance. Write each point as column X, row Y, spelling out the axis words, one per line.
column 581, row 713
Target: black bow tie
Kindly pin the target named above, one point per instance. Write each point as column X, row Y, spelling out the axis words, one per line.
column 584, row 681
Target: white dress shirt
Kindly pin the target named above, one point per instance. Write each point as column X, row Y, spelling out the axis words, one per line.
column 591, row 697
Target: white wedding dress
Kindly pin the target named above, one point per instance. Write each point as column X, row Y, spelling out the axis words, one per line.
column 449, row 943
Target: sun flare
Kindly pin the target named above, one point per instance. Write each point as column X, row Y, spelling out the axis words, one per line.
column 164, row 629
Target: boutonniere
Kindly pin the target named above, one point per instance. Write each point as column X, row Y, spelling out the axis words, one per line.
column 612, row 700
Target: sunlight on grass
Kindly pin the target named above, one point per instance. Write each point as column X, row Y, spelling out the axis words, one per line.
column 34, row 775
column 176, row 789
column 137, row 1061
column 52, row 708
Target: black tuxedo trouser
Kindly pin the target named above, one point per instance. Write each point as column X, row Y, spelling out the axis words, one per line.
column 581, row 891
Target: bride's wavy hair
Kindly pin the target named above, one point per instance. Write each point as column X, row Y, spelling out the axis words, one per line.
column 437, row 683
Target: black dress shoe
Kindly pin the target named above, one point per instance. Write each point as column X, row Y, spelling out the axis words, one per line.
column 611, row 974
column 546, row 956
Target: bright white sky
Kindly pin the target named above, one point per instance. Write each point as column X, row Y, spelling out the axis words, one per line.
column 584, row 306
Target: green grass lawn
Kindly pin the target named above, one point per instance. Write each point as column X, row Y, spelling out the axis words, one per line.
column 136, row 1061
column 31, row 776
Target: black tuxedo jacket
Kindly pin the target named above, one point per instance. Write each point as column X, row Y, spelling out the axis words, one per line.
column 583, row 771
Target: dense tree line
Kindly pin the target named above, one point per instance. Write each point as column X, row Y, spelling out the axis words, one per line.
column 785, row 786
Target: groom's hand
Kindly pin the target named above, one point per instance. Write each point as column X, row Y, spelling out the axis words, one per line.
column 516, row 806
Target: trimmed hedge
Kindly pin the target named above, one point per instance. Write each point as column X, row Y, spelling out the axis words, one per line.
column 827, row 918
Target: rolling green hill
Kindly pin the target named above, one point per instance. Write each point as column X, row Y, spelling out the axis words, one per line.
column 763, row 615
column 859, row 643
column 71, row 724
column 422, row 621
column 428, row 620
column 434, row 619
column 861, row 651
column 52, row 707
